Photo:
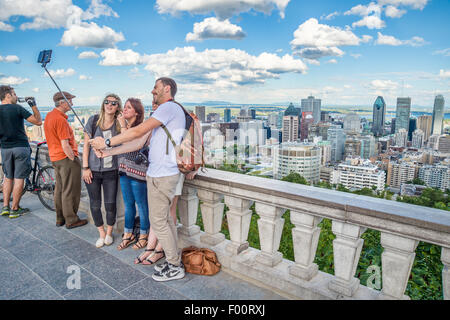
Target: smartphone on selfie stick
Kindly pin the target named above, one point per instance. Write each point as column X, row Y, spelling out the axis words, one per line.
column 43, row 59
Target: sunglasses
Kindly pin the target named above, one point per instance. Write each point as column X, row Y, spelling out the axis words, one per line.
column 113, row 103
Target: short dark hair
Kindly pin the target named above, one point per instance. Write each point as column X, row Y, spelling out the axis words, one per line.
column 4, row 90
column 169, row 82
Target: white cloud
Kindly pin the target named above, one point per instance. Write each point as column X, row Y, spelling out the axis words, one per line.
column 13, row 81
column 312, row 61
column 383, row 85
column 61, row 73
column 392, row 41
column 371, row 22
column 363, row 11
column 313, row 40
column 84, row 77
column 444, row 52
column 222, row 9
column 444, row 73
column 10, row 59
column 98, row 9
column 214, row 28
column 116, row 57
column 415, row 4
column 6, row 27
column 393, row 12
column 330, row 16
column 88, row 55
column 332, row 61
column 91, row 35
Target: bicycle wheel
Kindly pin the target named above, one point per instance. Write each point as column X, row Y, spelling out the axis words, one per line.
column 45, row 183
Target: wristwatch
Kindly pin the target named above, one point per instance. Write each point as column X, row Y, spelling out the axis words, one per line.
column 108, row 143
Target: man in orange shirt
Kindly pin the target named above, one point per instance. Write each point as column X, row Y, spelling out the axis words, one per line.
column 63, row 151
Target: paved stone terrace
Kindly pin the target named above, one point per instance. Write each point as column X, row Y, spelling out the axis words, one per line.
column 35, row 256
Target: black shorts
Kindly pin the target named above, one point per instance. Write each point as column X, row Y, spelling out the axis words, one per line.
column 16, row 162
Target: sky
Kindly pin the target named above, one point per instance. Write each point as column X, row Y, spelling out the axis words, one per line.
column 241, row 51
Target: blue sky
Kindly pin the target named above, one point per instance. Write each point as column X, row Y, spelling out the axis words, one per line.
column 247, row 51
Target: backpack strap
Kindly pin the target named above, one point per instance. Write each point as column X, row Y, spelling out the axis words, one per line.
column 94, row 125
column 169, row 136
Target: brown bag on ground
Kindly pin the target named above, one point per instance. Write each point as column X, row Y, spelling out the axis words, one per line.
column 200, row 261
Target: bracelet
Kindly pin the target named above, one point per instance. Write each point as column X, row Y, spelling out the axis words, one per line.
column 85, row 168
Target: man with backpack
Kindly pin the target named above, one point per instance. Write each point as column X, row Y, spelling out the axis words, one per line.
column 163, row 172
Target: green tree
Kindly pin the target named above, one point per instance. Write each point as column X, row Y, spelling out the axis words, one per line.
column 295, row 178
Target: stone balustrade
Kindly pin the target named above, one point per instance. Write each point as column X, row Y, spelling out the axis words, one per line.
column 401, row 225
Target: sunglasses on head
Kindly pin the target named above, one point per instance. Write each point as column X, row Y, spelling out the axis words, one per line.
column 113, row 103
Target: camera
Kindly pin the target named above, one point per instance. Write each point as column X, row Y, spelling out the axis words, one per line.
column 44, row 57
column 141, row 157
column 30, row 100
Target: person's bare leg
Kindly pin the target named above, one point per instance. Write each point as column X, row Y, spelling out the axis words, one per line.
column 7, row 189
column 109, row 230
column 17, row 193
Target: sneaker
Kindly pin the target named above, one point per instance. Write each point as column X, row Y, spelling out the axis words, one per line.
column 17, row 213
column 170, row 272
column 5, row 211
column 160, row 266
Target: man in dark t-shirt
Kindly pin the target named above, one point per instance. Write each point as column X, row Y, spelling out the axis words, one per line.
column 15, row 149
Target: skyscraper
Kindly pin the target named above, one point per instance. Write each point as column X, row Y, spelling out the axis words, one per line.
column 290, row 128
column 379, row 115
column 252, row 113
column 352, row 123
column 312, row 105
column 424, row 123
column 200, row 113
column 337, row 137
column 412, row 127
column 292, row 111
column 402, row 114
column 307, row 121
column 227, row 115
column 438, row 115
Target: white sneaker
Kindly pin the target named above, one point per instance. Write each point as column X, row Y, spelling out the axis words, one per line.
column 100, row 242
column 109, row 240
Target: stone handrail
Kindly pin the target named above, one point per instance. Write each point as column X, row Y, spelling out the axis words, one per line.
column 401, row 225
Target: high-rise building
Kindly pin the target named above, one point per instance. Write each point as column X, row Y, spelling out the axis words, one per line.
column 358, row 176
column 392, row 125
column 424, row 123
column 402, row 114
column 312, row 105
column 252, row 113
column 227, row 115
column 444, row 143
column 412, row 127
column 352, row 123
column 401, row 138
column 307, row 121
column 303, row 158
column 399, row 173
column 367, row 146
column 352, row 147
column 379, row 115
column 418, row 139
column 213, row 117
column 438, row 115
column 435, row 176
column 336, row 136
column 272, row 120
column 325, row 116
column 290, row 128
column 200, row 113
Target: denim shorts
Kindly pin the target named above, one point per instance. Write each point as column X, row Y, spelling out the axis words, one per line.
column 16, row 162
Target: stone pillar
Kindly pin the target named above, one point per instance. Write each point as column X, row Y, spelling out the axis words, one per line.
column 270, row 228
column 397, row 260
column 445, row 258
column 347, row 250
column 212, row 214
column 305, row 236
column 238, row 218
column 187, row 210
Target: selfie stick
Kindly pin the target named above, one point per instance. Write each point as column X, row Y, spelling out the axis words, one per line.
column 44, row 58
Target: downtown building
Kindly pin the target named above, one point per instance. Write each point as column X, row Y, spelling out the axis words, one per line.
column 312, row 105
column 352, row 124
column 437, row 125
column 200, row 113
column 290, row 129
column 418, row 139
column 302, row 158
column 435, row 176
column 358, row 176
column 402, row 114
column 400, row 172
column 378, row 116
column 425, row 123
column 336, row 136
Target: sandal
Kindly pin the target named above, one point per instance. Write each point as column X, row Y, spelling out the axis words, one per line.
column 126, row 242
column 138, row 258
column 141, row 243
column 148, row 262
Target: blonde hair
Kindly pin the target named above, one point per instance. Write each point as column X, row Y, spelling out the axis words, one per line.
column 102, row 112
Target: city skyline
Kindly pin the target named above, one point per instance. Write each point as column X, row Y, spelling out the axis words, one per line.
column 344, row 53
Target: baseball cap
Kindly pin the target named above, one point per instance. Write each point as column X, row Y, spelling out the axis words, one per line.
column 58, row 96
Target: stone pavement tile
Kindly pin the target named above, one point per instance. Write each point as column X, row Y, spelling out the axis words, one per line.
column 87, row 232
column 16, row 279
column 47, row 215
column 79, row 250
column 114, row 272
column 40, row 292
column 126, row 255
column 223, row 286
column 11, row 235
column 28, row 221
column 34, row 253
column 94, row 290
column 57, row 272
column 149, row 289
column 51, row 234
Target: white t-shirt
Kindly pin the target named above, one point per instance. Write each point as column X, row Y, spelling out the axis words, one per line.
column 172, row 116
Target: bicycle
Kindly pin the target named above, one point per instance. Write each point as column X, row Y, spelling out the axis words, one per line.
column 42, row 181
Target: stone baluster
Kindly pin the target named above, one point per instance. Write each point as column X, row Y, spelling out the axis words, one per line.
column 305, row 236
column 270, row 228
column 238, row 217
column 397, row 260
column 212, row 214
column 347, row 250
column 187, row 210
column 445, row 258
